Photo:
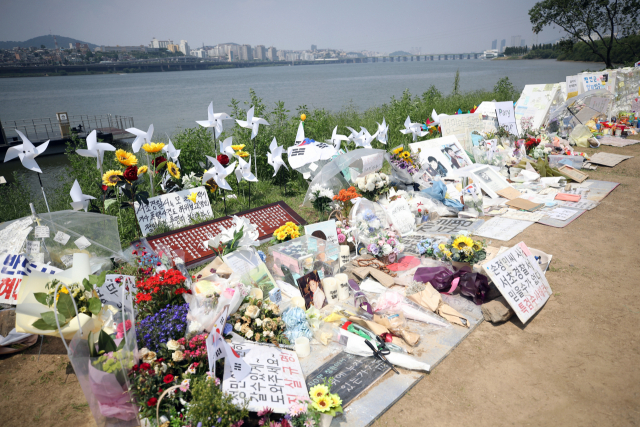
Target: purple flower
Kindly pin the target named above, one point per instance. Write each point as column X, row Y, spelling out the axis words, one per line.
column 373, row 249
column 227, row 329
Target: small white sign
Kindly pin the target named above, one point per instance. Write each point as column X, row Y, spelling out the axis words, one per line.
column 561, row 214
column 507, row 116
column 61, row 238
column 32, row 246
column 82, row 242
column 111, row 290
column 42, row 232
column 67, row 260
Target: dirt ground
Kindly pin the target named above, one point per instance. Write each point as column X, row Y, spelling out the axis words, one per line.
column 574, row 363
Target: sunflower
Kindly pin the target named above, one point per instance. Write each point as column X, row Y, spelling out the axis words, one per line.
column 322, row 404
column 397, row 150
column 111, row 178
column 447, row 254
column 477, row 246
column 405, row 154
column 125, row 158
column 335, row 399
column 462, row 241
column 63, row 290
column 192, row 196
column 173, row 170
column 212, row 185
column 237, row 147
column 154, row 147
column 242, row 154
column 318, row 391
column 142, row 170
column 442, row 247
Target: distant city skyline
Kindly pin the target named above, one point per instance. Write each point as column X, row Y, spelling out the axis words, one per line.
column 284, row 24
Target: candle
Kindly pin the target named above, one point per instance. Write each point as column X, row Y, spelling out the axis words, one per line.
column 345, row 255
column 302, row 347
column 343, row 286
column 330, row 286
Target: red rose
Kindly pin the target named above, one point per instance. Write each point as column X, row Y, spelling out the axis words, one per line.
column 159, row 360
column 152, row 401
column 131, row 173
column 158, row 160
column 223, row 159
column 160, row 391
column 168, row 378
column 145, row 366
column 104, row 187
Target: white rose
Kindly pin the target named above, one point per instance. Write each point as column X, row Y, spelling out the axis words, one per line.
column 371, row 186
column 252, row 311
column 194, row 326
column 237, row 326
column 143, row 352
column 173, row 345
column 163, row 367
column 177, row 356
column 380, row 184
column 258, row 322
column 249, row 334
column 386, row 249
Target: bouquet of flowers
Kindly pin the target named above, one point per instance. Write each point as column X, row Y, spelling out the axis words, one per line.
column 321, row 198
column 343, row 201
column 286, row 232
column 373, row 185
column 461, row 249
column 385, row 244
column 345, row 232
column 427, row 247
column 241, row 234
column 259, row 321
column 160, row 290
column 323, row 401
column 404, row 160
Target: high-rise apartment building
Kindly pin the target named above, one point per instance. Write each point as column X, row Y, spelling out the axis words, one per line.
column 260, row 53
column 272, row 54
column 523, row 43
column 160, row 44
column 184, row 48
column 494, row 44
column 503, row 43
column 314, row 48
column 246, row 53
column 515, row 41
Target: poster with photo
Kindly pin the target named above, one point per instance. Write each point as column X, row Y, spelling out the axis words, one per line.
column 434, row 162
column 310, row 287
column 489, row 180
column 450, row 147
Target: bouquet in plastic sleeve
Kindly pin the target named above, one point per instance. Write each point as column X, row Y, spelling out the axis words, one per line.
column 392, row 301
column 374, row 185
column 404, row 165
column 368, row 218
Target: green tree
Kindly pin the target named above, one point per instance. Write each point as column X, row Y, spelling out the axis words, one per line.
column 589, row 21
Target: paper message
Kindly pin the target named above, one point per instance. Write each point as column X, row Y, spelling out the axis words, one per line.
column 173, row 209
column 276, row 379
column 61, row 238
column 82, row 242
column 572, row 86
column 371, row 163
column 114, row 285
column 461, row 126
column 42, row 232
column 561, row 214
column 507, row 116
column 500, row 228
column 242, row 261
column 32, row 246
column 401, row 216
column 449, row 226
column 520, row 281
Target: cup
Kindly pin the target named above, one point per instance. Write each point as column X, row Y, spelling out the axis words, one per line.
column 343, row 286
column 330, row 286
column 345, row 255
column 303, row 349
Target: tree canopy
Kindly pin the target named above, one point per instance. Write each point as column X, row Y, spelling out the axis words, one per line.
column 598, row 23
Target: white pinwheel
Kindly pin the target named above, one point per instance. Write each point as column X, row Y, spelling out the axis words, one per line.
column 336, row 139
column 225, row 147
column 219, row 173
column 95, row 149
column 435, row 117
column 300, row 134
column 142, row 137
column 383, row 131
column 214, row 120
column 274, row 157
column 27, row 152
column 243, row 171
column 80, row 201
column 171, row 151
column 362, row 138
column 252, row 123
column 413, row 128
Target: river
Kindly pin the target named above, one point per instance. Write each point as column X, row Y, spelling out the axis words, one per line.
column 174, row 100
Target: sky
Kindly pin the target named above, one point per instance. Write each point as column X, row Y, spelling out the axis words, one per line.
column 451, row 26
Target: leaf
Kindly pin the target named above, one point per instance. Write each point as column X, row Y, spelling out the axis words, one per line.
column 127, row 193
column 101, row 278
column 161, row 165
column 43, row 326
column 121, row 345
column 92, row 344
column 41, row 297
column 106, row 343
column 65, row 306
column 140, row 198
column 109, row 202
column 87, row 286
column 95, row 305
column 50, row 319
column 126, row 205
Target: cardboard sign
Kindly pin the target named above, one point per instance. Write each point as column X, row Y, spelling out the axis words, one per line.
column 352, row 375
column 573, row 173
column 189, row 240
column 608, row 159
column 461, row 126
column 507, row 116
column 114, row 285
column 276, row 379
column 520, row 281
column 173, row 209
column 12, row 270
column 509, row 193
column 524, row 204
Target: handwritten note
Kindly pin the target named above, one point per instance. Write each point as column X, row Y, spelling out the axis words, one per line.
column 520, row 281
column 401, row 216
column 503, row 229
column 173, row 209
column 114, row 285
column 572, row 86
column 461, row 126
column 371, row 163
column 507, row 116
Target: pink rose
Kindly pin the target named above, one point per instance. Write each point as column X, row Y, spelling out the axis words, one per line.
column 341, row 238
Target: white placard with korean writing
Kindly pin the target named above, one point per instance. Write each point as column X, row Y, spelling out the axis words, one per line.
column 12, row 270
column 401, row 216
column 572, row 86
column 276, row 379
column 461, row 125
column 173, row 209
column 518, row 277
column 111, row 290
column 371, row 163
column 507, row 116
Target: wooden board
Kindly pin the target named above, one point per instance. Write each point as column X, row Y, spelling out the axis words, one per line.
column 189, row 240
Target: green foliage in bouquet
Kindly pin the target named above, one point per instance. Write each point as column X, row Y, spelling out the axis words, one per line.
column 210, row 406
